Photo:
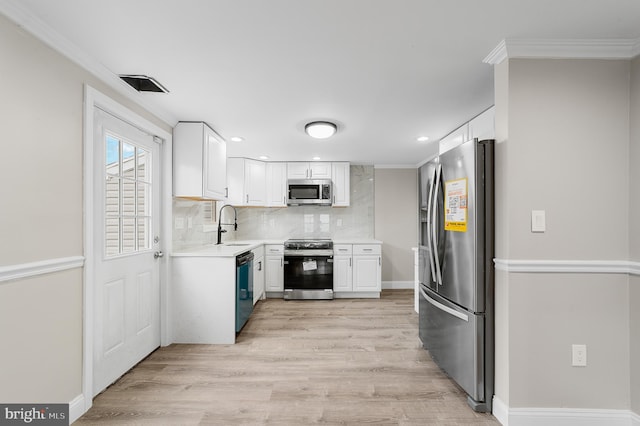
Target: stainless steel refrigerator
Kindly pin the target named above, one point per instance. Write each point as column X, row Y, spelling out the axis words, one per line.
column 456, row 272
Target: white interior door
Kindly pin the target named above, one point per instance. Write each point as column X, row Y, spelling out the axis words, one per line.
column 126, row 246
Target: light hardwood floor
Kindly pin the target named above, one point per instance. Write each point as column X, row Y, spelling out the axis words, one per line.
column 340, row 362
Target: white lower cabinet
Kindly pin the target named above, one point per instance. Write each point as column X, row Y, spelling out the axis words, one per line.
column 258, row 274
column 357, row 269
column 366, row 273
column 203, row 303
column 274, row 269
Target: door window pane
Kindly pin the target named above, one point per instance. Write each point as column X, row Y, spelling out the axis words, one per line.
column 128, row 234
column 113, row 155
column 141, row 163
column 144, row 237
column 127, row 197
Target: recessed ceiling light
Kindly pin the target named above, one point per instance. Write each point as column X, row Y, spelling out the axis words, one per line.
column 236, row 139
column 320, row 129
column 263, row 157
column 315, row 158
column 423, row 138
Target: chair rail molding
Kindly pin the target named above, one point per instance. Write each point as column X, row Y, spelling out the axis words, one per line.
column 568, row 266
column 32, row 269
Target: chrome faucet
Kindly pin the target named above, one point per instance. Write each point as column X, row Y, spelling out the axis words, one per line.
column 235, row 222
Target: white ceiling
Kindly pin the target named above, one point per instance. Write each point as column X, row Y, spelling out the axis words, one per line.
column 386, row 71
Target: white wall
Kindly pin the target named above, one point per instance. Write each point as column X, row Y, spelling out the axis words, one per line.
column 502, row 366
column 396, row 219
column 563, row 137
column 634, row 233
column 42, row 212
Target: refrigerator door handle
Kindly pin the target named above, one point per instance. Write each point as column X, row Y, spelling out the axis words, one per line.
column 434, row 215
column 444, row 308
column 429, row 210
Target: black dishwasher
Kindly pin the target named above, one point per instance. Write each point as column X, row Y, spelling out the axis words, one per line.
column 244, row 288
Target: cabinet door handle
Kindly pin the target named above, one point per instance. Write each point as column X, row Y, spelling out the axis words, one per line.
column 349, row 262
column 247, row 198
column 379, row 262
column 281, row 262
column 260, row 266
column 226, row 192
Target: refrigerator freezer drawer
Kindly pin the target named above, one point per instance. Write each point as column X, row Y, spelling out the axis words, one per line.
column 454, row 338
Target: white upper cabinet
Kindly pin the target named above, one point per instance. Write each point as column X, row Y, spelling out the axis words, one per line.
column 276, row 185
column 341, row 184
column 199, row 162
column 483, row 126
column 255, row 184
column 313, row 170
column 246, row 180
column 455, row 138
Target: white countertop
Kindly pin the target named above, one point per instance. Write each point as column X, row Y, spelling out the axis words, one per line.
column 234, row 248
column 226, row 249
column 357, row 241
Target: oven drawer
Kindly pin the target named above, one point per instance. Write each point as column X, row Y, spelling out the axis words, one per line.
column 359, row 249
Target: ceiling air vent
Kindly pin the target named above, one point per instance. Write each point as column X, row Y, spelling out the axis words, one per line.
column 142, row 83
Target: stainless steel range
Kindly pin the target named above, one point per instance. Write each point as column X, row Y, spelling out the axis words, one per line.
column 308, row 269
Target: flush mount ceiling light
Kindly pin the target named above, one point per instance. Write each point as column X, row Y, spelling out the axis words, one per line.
column 320, row 129
column 422, row 138
column 143, row 83
column 237, row 139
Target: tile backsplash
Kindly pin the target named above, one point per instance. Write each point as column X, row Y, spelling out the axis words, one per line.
column 355, row 221
column 192, row 224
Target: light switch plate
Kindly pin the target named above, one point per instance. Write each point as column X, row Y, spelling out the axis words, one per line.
column 538, row 221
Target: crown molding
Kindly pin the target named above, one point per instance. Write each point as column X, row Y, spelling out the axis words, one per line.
column 564, row 49
column 25, row 19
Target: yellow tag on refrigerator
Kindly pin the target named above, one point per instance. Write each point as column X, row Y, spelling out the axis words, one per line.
column 455, row 205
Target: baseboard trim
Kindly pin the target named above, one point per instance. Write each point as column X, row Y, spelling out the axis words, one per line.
column 77, row 408
column 356, row 295
column 398, row 285
column 562, row 416
column 32, row 269
column 500, row 411
column 568, row 266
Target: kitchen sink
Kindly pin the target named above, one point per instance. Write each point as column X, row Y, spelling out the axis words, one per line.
column 236, row 244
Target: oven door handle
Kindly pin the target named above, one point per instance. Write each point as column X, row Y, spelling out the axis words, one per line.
column 308, row 253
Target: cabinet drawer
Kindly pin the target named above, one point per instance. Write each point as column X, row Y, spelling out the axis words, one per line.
column 366, row 249
column 342, row 249
column 271, row 249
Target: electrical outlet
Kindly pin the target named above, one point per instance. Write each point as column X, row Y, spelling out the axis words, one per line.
column 179, row 223
column 579, row 355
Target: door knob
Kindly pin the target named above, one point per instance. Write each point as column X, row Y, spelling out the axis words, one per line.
column 158, row 254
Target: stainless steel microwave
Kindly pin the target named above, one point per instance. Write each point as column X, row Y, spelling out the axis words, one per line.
column 316, row 192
